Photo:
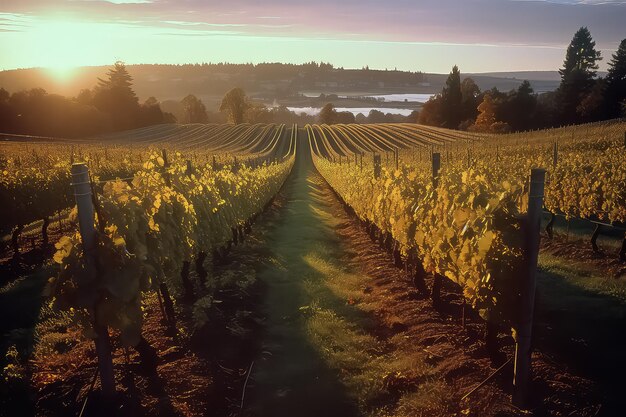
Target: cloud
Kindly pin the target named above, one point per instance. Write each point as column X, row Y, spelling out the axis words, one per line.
column 539, row 24
column 121, row 1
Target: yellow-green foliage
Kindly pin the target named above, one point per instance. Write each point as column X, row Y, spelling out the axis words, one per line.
column 153, row 226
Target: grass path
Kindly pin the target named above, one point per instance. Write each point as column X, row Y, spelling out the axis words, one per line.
column 291, row 377
column 331, row 344
column 580, row 314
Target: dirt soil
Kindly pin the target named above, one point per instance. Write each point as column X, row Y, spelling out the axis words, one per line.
column 181, row 386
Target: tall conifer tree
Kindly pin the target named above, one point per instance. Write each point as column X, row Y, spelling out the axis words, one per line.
column 615, row 91
column 577, row 75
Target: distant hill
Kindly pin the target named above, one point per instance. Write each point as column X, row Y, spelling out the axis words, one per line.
column 211, row 81
column 265, row 82
column 524, row 75
column 541, row 81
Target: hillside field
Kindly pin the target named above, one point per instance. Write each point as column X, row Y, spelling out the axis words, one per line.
column 338, row 270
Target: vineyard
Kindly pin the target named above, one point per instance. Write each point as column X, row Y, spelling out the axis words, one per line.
column 462, row 220
column 172, row 221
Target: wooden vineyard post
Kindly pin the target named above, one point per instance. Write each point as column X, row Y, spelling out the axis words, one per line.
column 396, row 155
column 555, row 159
column 82, row 193
column 189, row 170
column 555, row 154
column 438, row 279
column 361, row 161
column 377, row 168
column 522, row 372
column 165, row 165
column 436, row 165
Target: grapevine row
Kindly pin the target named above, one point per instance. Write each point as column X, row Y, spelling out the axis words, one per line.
column 35, row 177
column 462, row 226
column 587, row 165
column 148, row 233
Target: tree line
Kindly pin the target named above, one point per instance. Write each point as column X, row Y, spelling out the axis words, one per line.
column 582, row 96
column 236, row 108
column 110, row 106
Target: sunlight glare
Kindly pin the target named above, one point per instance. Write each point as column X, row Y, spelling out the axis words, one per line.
column 64, row 44
column 62, row 73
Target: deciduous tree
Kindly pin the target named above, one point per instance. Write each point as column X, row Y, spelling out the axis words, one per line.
column 431, row 113
column 194, row 110
column 328, row 114
column 235, row 105
column 486, row 114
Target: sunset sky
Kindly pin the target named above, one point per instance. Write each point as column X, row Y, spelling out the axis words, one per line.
column 425, row 35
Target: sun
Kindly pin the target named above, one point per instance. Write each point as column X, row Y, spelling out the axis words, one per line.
column 62, row 73
column 63, row 45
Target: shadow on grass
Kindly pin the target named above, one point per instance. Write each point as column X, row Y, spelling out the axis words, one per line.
column 291, row 377
column 20, row 304
column 584, row 330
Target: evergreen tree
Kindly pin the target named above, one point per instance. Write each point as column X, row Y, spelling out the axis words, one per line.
column 452, row 100
column 615, row 90
column 518, row 108
column 116, row 97
column 577, row 74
